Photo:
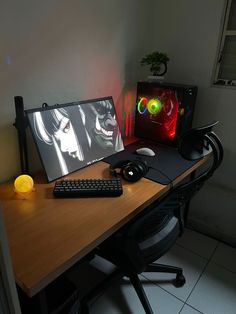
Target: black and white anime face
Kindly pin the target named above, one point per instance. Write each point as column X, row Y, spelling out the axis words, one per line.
column 55, row 129
column 66, row 136
column 62, row 132
column 101, row 126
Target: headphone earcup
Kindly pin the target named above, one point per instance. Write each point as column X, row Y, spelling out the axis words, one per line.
column 134, row 170
column 143, row 166
column 130, row 172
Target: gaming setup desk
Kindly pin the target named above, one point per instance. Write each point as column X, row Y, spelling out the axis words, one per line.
column 48, row 235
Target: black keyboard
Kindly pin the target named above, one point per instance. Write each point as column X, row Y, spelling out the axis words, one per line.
column 88, row 187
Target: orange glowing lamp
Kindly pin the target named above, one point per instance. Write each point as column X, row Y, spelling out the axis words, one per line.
column 24, row 184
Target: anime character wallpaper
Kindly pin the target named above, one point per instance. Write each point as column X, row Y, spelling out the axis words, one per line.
column 101, row 126
column 71, row 136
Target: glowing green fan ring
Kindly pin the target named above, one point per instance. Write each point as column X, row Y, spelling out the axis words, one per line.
column 142, row 105
column 154, row 106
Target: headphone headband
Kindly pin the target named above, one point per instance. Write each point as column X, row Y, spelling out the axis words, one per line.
column 117, row 165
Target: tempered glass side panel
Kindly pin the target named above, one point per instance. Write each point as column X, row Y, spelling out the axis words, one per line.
column 164, row 111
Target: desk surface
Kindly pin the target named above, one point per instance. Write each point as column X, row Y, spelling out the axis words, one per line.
column 48, row 235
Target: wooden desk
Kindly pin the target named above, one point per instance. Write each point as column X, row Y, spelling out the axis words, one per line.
column 48, row 235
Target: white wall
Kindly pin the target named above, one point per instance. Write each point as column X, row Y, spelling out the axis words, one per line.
column 65, row 50
column 188, row 31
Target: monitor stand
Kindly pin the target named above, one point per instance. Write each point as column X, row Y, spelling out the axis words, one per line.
column 21, row 125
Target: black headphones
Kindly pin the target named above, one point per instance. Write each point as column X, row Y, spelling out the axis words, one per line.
column 130, row 170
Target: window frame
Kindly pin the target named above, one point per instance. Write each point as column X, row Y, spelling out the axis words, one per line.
column 224, row 82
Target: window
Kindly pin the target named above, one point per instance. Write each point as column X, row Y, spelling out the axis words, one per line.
column 225, row 73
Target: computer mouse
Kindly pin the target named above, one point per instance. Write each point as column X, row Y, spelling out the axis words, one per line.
column 145, row 151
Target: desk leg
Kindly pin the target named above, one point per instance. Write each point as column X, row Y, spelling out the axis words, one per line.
column 35, row 305
column 42, row 303
column 186, row 210
column 99, row 289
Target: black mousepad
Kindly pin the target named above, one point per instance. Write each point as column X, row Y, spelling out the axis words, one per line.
column 165, row 166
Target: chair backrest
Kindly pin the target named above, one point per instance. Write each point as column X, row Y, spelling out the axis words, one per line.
column 199, row 142
column 153, row 233
column 196, row 144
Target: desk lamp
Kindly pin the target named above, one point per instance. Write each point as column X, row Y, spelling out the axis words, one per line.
column 24, row 185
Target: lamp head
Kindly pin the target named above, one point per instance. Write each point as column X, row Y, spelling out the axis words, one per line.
column 24, row 184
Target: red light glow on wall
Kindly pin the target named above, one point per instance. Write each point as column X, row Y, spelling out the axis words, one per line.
column 125, row 110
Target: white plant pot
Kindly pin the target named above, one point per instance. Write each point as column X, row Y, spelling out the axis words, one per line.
column 155, row 78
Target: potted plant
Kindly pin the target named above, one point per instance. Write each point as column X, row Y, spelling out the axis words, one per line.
column 157, row 62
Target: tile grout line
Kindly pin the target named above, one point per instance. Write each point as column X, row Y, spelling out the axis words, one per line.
column 191, row 307
column 204, row 268
column 168, row 292
column 189, row 250
column 197, row 254
column 217, row 245
column 225, row 268
column 157, row 285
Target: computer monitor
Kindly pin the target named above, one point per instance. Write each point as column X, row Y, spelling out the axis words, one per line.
column 74, row 135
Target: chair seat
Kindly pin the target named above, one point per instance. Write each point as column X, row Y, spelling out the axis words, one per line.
column 144, row 240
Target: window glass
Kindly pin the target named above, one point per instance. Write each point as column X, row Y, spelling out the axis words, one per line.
column 232, row 16
column 228, row 59
column 225, row 70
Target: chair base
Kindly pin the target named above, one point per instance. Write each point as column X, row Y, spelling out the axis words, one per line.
column 116, row 275
column 160, row 268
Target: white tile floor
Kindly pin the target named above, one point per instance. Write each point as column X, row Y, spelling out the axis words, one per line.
column 210, row 272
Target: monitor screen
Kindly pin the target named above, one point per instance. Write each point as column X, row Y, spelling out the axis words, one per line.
column 71, row 136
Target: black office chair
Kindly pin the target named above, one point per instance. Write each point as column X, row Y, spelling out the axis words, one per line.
column 136, row 246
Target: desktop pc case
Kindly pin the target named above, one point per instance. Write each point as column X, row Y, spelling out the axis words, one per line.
column 164, row 111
